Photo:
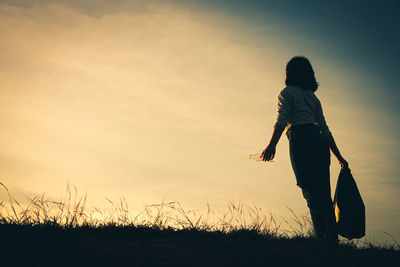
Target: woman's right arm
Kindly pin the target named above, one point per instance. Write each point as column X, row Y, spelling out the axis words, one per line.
column 326, row 133
column 336, row 152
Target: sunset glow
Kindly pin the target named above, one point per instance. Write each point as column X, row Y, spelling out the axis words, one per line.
column 162, row 100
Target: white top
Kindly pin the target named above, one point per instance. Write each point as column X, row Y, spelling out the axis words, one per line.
column 297, row 106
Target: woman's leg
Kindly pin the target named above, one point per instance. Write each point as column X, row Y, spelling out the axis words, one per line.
column 319, row 201
column 310, row 158
column 328, row 210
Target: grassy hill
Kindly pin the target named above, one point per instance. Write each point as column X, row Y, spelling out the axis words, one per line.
column 68, row 233
column 52, row 245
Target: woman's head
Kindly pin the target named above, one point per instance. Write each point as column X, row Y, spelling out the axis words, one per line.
column 299, row 72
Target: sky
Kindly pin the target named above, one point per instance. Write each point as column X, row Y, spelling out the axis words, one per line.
column 156, row 100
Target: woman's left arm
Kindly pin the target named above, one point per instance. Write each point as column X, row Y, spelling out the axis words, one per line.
column 269, row 152
column 284, row 105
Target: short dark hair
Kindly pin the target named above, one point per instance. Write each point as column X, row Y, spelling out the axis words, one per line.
column 299, row 72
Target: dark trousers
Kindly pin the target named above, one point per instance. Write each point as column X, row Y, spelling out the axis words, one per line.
column 310, row 158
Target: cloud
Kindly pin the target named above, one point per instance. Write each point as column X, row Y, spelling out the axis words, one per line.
column 106, row 93
column 92, row 8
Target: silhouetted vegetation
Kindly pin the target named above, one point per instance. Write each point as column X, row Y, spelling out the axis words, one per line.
column 68, row 233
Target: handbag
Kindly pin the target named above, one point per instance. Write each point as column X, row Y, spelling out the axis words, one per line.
column 349, row 207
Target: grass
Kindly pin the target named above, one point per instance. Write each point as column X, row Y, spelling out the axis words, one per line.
column 69, row 233
column 72, row 212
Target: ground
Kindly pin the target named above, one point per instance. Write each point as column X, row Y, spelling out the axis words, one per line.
column 47, row 245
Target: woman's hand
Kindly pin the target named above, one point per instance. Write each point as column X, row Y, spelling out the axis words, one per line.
column 268, row 153
column 343, row 163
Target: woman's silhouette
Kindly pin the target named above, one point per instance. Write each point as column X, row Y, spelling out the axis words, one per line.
column 309, row 142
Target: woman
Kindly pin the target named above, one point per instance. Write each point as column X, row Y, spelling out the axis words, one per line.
column 309, row 142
